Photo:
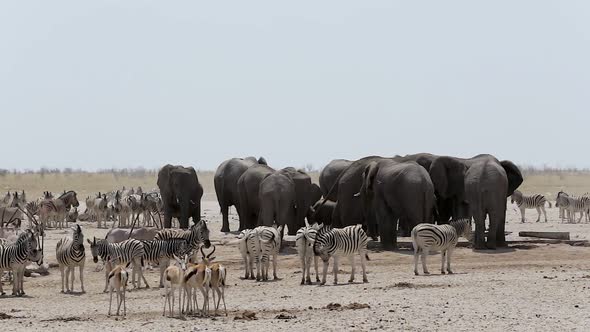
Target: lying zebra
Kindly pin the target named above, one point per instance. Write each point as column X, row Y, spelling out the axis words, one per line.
column 536, row 201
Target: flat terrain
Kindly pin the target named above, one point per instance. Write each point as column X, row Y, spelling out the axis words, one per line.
column 533, row 287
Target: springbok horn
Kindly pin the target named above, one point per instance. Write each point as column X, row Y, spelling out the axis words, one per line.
column 211, row 253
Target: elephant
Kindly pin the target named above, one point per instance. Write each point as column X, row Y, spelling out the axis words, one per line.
column 278, row 200
column 248, row 194
column 181, row 194
column 226, row 184
column 396, row 192
column 304, row 197
column 316, row 193
column 329, row 177
column 321, row 213
column 476, row 187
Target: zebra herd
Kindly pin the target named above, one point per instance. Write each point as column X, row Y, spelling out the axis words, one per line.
column 568, row 205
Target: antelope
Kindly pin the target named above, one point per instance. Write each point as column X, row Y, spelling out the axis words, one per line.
column 217, row 283
column 197, row 276
column 174, row 279
column 118, row 281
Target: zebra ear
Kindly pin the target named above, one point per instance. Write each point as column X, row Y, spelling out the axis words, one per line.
column 90, row 243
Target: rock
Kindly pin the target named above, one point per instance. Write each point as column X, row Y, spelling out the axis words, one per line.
column 285, row 315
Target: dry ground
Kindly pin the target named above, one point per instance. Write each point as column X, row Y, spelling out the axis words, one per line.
column 535, row 287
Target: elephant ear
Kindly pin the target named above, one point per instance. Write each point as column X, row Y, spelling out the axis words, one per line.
column 448, row 176
column 369, row 174
column 513, row 174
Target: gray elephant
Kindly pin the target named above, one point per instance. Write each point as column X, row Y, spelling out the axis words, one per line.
column 278, row 199
column 396, row 192
column 226, row 184
column 181, row 194
column 304, row 196
column 477, row 187
column 316, row 193
column 248, row 194
column 330, row 175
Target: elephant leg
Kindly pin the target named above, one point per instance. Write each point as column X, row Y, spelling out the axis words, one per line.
column 495, row 221
column 225, row 214
column 387, row 227
column 167, row 219
column 479, row 217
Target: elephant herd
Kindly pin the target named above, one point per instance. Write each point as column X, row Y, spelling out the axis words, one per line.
column 385, row 195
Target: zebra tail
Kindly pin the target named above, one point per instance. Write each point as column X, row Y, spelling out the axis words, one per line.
column 548, row 202
column 367, row 256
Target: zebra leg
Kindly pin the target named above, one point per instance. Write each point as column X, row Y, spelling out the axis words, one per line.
column 106, row 277
column 335, row 268
column 351, row 260
column 81, row 268
column 544, row 213
column 363, row 253
column 522, row 213
column 424, row 255
column 443, row 253
column 416, row 256
column 449, row 253
column 326, row 263
column 69, row 279
column 140, row 269
column 274, row 266
column 539, row 214
column 303, row 260
column 317, row 275
column 61, row 270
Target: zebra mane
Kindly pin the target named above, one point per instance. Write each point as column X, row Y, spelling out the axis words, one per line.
column 66, row 193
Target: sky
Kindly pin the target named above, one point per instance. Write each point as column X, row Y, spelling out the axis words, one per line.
column 103, row 84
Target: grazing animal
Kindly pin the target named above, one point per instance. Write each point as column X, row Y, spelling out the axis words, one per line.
column 338, row 242
column 129, row 251
column 304, row 241
column 72, row 215
column 523, row 202
column 70, row 254
column 443, row 238
column 100, row 210
column 197, row 276
column 11, row 215
column 57, row 208
column 174, row 279
column 266, row 243
column 197, row 234
column 160, row 252
column 248, row 250
column 218, row 276
column 572, row 205
column 115, row 235
column 15, row 256
column 117, row 280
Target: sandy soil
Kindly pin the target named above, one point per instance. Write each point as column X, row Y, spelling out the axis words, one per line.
column 535, row 287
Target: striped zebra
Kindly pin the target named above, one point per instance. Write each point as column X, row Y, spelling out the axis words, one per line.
column 57, row 208
column 70, row 254
column 129, row 251
column 572, row 205
column 304, row 240
column 14, row 257
column 535, row 201
column 248, row 256
column 100, row 209
column 197, row 234
column 443, row 238
column 136, row 204
column 264, row 242
column 336, row 242
column 160, row 252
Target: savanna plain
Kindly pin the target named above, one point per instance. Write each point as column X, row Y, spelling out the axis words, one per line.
column 529, row 286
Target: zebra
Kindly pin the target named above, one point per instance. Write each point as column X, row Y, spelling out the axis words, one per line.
column 304, row 240
column 198, row 233
column 15, row 256
column 248, row 255
column 444, row 238
column 265, row 241
column 571, row 205
column 135, row 203
column 160, row 252
column 128, row 251
column 536, row 201
column 57, row 208
column 99, row 209
column 70, row 254
column 341, row 242
column 152, row 203
column 121, row 210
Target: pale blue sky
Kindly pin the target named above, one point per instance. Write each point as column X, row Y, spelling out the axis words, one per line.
column 100, row 84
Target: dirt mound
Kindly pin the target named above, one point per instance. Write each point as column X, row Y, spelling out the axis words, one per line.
column 246, row 315
column 5, row 316
column 285, row 315
column 351, row 306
